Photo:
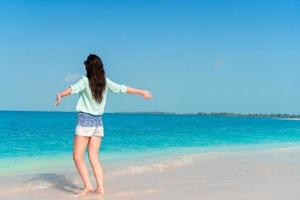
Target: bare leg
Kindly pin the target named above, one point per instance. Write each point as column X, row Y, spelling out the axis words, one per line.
column 93, row 149
column 80, row 143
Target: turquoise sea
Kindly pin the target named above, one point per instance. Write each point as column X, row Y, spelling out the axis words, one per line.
column 33, row 141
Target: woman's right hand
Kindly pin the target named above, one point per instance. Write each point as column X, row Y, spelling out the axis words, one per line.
column 146, row 94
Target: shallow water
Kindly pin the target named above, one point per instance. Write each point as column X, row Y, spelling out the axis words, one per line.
column 41, row 140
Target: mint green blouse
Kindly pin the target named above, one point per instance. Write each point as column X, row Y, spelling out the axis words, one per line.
column 86, row 102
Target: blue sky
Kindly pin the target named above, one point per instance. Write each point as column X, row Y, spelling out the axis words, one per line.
column 195, row 56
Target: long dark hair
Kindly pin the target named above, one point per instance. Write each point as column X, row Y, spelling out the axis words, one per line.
column 96, row 75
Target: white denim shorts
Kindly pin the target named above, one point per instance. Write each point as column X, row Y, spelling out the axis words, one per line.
column 89, row 131
column 89, row 125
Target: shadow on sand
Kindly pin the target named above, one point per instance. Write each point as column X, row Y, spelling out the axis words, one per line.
column 63, row 183
column 60, row 182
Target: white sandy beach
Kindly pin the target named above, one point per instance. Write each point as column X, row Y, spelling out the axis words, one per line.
column 252, row 174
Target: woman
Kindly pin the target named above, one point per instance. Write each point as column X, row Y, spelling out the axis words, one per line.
column 92, row 90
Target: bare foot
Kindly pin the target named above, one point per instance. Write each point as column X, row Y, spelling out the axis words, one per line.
column 99, row 191
column 85, row 191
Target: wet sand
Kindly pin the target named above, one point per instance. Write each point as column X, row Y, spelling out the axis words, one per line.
column 252, row 174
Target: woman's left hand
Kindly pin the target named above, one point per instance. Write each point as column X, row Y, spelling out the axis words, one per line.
column 58, row 99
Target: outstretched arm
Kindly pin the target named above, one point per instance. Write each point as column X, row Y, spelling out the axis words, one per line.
column 120, row 88
column 64, row 93
column 145, row 93
column 72, row 89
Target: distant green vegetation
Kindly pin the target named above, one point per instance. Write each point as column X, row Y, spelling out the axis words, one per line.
column 273, row 115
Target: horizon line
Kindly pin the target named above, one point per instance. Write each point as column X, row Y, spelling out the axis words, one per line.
column 168, row 112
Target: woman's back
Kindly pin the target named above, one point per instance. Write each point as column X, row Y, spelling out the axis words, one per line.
column 86, row 102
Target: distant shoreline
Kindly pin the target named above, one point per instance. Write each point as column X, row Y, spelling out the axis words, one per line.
column 224, row 114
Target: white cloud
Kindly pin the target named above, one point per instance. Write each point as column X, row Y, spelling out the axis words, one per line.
column 220, row 62
column 72, row 77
